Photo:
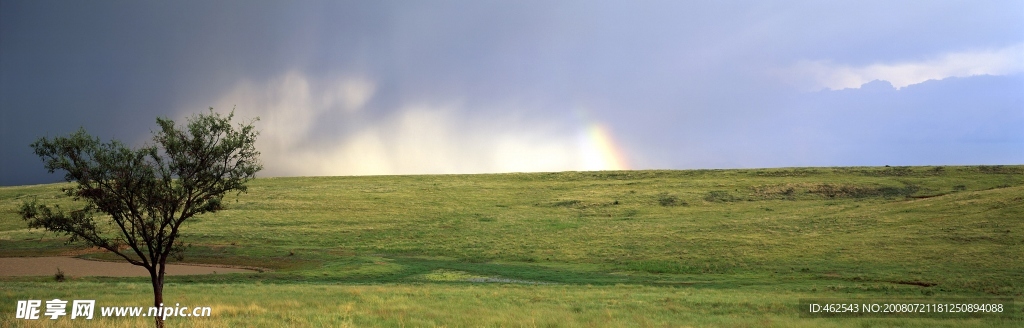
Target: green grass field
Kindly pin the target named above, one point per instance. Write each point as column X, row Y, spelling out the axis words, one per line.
column 726, row 248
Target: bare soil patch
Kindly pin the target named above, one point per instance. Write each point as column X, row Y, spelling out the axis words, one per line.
column 75, row 267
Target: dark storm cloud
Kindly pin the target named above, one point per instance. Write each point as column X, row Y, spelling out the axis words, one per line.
column 113, row 67
column 469, row 86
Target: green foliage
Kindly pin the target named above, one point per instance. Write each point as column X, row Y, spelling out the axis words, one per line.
column 147, row 193
column 139, row 198
column 720, row 196
column 1000, row 169
column 666, row 199
column 856, row 191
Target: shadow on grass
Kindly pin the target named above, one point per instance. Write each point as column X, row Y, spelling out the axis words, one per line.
column 370, row 270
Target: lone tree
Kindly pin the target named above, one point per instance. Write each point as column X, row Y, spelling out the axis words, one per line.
column 137, row 199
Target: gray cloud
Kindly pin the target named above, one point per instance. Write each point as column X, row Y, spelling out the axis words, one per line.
column 465, row 86
column 325, row 127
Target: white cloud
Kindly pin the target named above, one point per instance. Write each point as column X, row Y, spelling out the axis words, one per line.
column 284, row 105
column 416, row 138
column 424, row 139
column 817, row 75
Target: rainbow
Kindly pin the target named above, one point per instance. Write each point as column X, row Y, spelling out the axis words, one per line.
column 600, row 151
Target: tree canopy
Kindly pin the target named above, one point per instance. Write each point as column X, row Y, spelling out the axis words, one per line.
column 135, row 200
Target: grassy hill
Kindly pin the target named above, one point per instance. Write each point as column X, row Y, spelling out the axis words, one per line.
column 637, row 248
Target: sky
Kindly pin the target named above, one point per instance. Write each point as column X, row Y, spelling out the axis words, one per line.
column 441, row 87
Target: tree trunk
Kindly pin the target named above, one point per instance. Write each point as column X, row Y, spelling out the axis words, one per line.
column 156, row 275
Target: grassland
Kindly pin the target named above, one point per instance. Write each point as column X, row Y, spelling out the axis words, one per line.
column 725, row 248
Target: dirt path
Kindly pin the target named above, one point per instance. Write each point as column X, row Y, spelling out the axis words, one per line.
column 75, row 267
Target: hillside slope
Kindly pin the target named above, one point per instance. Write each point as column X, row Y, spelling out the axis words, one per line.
column 945, row 228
